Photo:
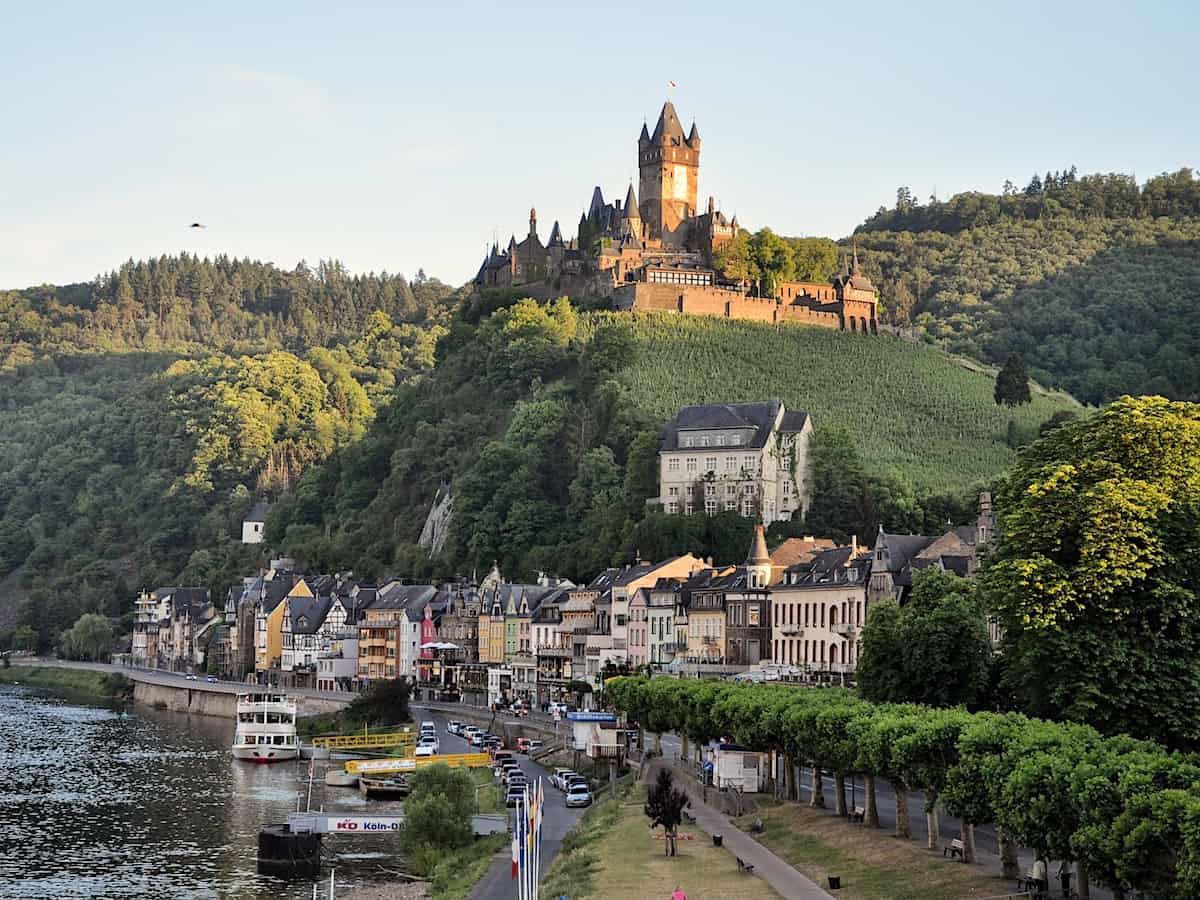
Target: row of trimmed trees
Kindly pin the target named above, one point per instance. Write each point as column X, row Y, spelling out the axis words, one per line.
column 1127, row 811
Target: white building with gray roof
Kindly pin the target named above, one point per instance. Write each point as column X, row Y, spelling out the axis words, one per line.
column 748, row 458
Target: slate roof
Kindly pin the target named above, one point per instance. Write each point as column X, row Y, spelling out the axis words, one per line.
column 759, row 416
column 830, row 567
column 668, row 125
column 274, row 591
column 901, row 548
column 312, row 610
column 259, row 512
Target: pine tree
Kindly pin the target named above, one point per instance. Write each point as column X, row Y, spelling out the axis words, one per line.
column 1012, row 382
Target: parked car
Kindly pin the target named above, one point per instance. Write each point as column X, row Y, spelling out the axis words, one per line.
column 191, row 678
column 578, row 795
column 424, row 750
column 211, row 679
column 430, row 741
column 561, row 777
column 513, row 797
column 476, row 739
column 574, row 782
column 499, row 756
column 534, row 746
column 428, row 726
column 522, row 745
column 454, row 726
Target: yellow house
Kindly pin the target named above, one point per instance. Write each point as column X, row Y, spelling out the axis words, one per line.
column 268, row 628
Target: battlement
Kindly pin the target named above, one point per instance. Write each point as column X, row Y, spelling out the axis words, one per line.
column 718, row 302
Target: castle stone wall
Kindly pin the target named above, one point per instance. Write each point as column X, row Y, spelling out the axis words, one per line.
column 717, row 302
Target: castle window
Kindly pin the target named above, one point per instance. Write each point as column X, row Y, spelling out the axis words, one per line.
column 691, row 464
column 687, row 440
column 689, row 508
column 730, row 506
column 731, row 464
column 710, row 464
column 747, row 508
column 710, row 490
column 673, row 464
column 710, row 507
column 673, row 491
column 704, row 440
column 720, row 440
column 731, row 490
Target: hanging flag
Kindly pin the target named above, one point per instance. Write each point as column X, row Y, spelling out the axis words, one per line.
column 515, row 851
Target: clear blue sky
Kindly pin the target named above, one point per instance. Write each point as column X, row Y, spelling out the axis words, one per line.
column 397, row 139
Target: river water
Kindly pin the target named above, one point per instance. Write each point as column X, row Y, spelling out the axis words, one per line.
column 150, row 804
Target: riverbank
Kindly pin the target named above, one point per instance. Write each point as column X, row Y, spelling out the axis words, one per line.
column 113, row 686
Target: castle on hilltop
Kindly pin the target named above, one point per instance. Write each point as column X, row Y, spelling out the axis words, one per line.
column 657, row 254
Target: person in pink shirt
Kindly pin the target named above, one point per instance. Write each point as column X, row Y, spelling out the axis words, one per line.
column 678, row 894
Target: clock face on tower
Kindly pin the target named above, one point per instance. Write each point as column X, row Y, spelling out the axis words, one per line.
column 679, row 183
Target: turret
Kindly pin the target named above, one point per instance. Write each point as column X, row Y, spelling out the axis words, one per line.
column 693, row 138
column 758, row 561
column 532, row 222
column 631, row 205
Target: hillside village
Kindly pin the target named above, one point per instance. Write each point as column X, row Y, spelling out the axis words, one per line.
column 792, row 613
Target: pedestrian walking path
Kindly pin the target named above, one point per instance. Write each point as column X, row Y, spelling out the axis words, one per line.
column 786, row 881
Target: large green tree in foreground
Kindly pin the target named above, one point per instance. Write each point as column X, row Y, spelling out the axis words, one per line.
column 1095, row 579
column 935, row 650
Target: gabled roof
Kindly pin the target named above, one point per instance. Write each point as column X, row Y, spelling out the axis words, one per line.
column 793, row 421
column 308, row 613
column 901, row 548
column 796, row 550
column 836, row 566
column 258, row 512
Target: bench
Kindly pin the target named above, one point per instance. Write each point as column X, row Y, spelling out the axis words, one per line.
column 744, row 866
column 858, row 814
column 954, row 849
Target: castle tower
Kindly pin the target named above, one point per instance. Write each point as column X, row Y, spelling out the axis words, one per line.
column 758, row 561
column 669, row 172
column 532, row 222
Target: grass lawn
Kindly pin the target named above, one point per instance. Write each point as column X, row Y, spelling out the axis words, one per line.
column 613, row 853
column 873, row 864
column 458, row 873
column 84, row 681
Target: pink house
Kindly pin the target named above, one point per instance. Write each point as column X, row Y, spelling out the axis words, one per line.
column 639, row 630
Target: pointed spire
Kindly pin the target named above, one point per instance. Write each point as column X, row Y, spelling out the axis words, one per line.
column 693, row 137
column 644, row 137
column 758, row 547
column 854, row 265
column 555, row 235
column 668, row 127
column 597, row 203
column 631, row 204
column 512, row 243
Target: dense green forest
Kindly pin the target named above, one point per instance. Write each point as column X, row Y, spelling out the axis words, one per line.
column 1093, row 279
column 129, row 452
column 545, row 421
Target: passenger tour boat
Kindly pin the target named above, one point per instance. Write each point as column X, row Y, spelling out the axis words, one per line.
column 266, row 728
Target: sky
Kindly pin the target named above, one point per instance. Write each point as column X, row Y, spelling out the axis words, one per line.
column 406, row 138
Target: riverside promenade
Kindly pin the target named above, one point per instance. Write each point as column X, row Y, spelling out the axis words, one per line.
column 777, row 872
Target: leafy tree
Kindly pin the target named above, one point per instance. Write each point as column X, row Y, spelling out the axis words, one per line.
column 1094, row 579
column 24, row 638
column 1012, row 382
column 90, row 637
column 437, row 815
column 664, row 808
column 382, row 703
column 935, row 650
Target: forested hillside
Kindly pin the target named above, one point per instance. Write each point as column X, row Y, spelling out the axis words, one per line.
column 142, row 415
column 545, row 422
column 1094, row 279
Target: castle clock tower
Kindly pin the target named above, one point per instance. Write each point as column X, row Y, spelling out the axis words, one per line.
column 669, row 167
